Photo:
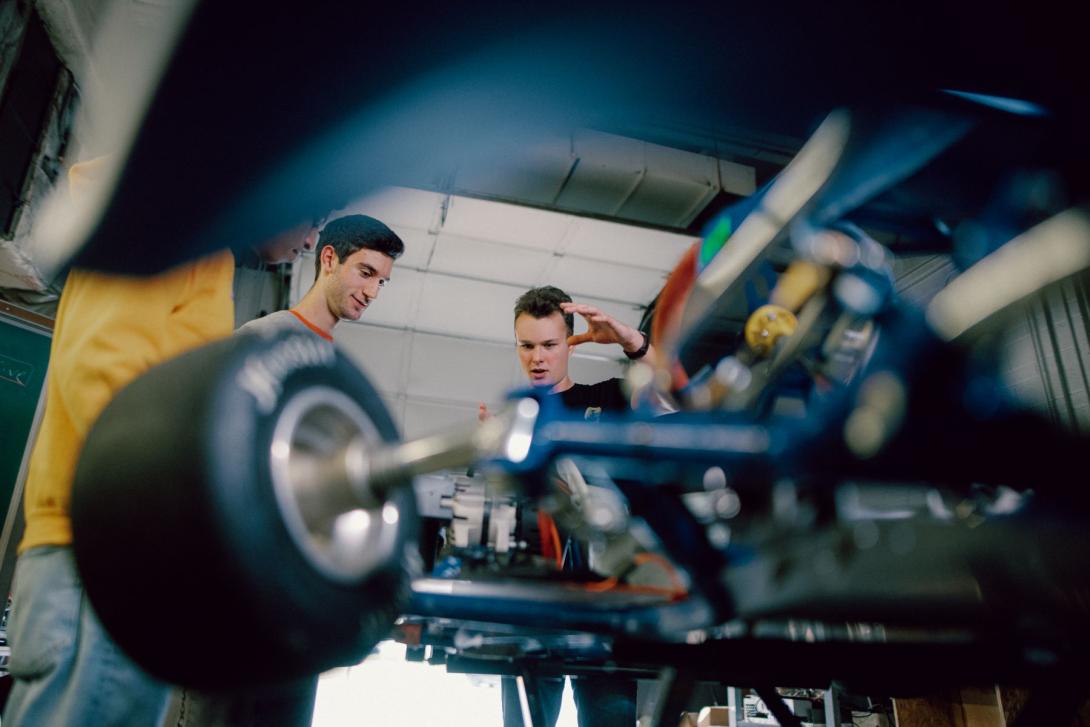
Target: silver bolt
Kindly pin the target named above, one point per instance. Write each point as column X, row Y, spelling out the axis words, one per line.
column 719, row 535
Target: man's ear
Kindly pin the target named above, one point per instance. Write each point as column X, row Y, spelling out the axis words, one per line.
column 328, row 256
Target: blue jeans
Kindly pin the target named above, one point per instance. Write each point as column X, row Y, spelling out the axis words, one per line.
column 67, row 670
column 284, row 705
column 600, row 701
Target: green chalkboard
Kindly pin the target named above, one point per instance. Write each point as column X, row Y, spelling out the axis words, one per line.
column 24, row 356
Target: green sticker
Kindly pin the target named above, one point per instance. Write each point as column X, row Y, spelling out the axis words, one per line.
column 715, row 240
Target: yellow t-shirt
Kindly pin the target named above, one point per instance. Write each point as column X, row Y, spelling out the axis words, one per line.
column 109, row 330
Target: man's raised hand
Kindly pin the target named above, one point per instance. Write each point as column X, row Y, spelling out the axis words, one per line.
column 602, row 328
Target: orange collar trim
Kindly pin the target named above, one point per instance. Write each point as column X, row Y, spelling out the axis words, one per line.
column 310, row 325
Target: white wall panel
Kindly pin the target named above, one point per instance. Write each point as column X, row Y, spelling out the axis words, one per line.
column 428, row 417
column 488, row 260
column 396, row 305
column 582, row 277
column 611, row 241
column 454, row 369
column 509, row 223
column 628, row 313
column 418, row 247
column 380, row 352
column 470, row 308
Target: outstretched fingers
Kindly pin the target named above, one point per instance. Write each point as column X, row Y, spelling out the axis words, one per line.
column 587, row 311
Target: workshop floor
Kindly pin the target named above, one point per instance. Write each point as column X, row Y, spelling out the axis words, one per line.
column 387, row 689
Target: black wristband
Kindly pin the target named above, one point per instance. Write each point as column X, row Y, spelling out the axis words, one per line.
column 641, row 351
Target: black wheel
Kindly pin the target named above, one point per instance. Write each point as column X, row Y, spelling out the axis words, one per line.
column 190, row 520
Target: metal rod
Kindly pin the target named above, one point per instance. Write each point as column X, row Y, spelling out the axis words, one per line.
column 374, row 472
column 832, row 707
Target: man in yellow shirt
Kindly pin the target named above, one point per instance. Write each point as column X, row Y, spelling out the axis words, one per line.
column 109, row 329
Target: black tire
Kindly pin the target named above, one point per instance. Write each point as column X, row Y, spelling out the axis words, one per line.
column 184, row 553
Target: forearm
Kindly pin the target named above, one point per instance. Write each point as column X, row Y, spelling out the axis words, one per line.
column 631, row 340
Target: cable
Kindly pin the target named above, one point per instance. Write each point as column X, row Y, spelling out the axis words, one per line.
column 550, row 539
column 675, row 593
column 641, row 558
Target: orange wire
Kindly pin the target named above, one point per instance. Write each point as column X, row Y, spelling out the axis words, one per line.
column 641, row 558
column 672, row 594
column 556, row 544
column 677, row 592
column 550, row 536
column 606, row 585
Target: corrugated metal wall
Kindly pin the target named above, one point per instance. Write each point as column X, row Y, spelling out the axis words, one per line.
column 920, row 277
column 1045, row 353
column 1057, row 331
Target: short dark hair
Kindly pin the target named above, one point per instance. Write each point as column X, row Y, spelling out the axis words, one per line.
column 355, row 232
column 543, row 302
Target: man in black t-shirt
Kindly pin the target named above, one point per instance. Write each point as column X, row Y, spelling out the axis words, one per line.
column 545, row 338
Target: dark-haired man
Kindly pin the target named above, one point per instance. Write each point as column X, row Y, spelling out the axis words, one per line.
column 355, row 258
column 545, row 338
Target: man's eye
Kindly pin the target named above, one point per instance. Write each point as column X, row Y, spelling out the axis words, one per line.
column 382, row 283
